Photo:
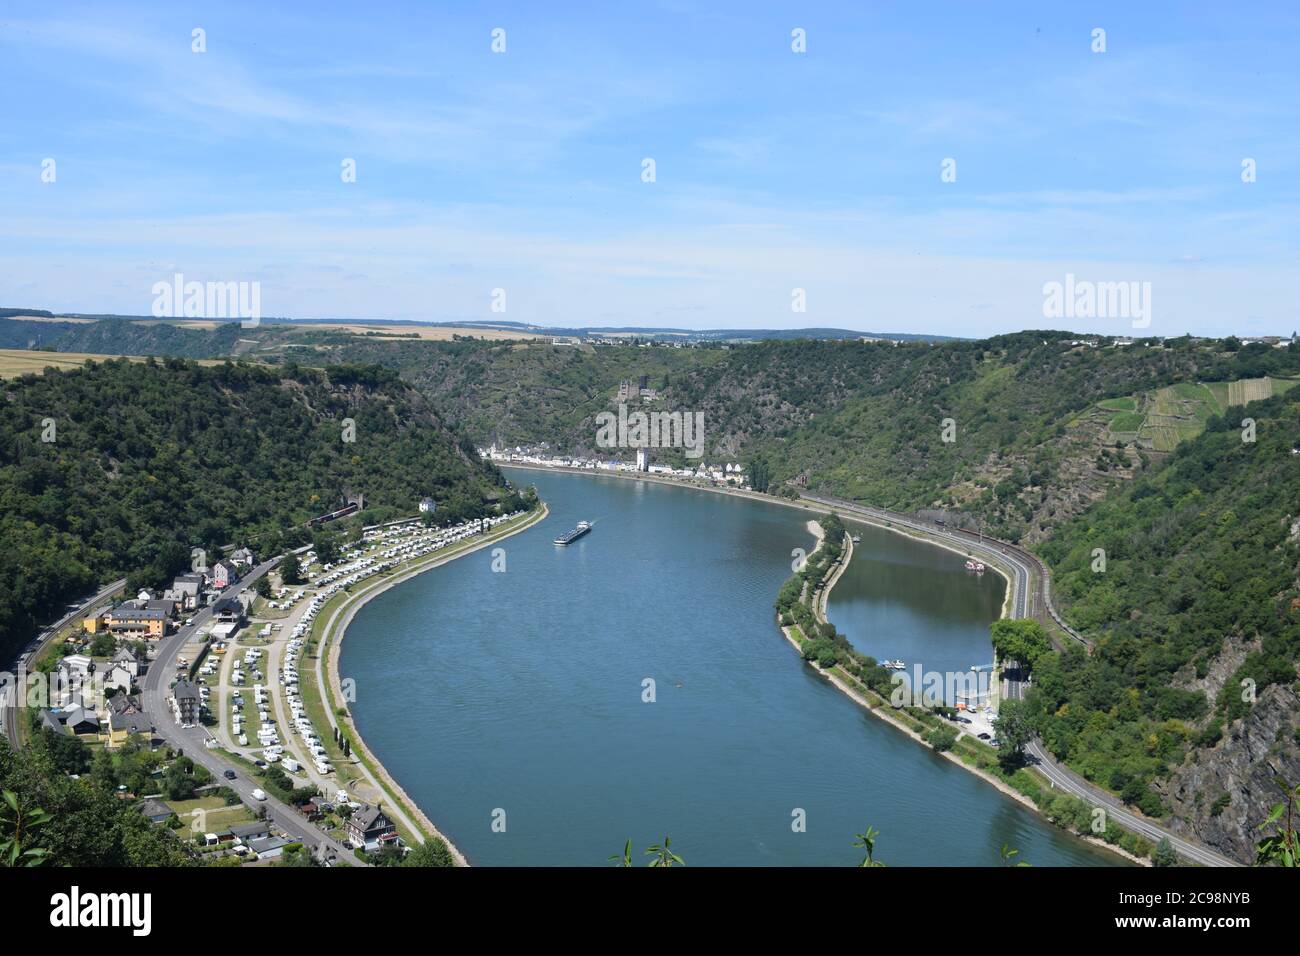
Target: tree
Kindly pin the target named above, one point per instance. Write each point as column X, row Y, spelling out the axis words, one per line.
column 263, row 586
column 326, row 546
column 941, row 738
column 432, row 852
column 759, row 473
column 290, row 569
column 102, row 773
column 296, row 855
column 1164, row 854
column 1015, row 729
column 182, row 777
column 1022, row 640
column 103, row 645
column 866, row 841
column 663, row 854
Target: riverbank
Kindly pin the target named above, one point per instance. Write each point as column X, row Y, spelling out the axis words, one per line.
column 333, row 629
column 991, row 556
column 968, row 753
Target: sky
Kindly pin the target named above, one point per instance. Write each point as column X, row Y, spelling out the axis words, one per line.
column 917, row 168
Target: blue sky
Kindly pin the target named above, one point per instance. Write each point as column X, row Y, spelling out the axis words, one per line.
column 774, row 170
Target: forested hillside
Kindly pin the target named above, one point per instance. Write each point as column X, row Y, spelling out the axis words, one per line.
column 1190, row 703
column 857, row 419
column 1039, row 434
column 121, row 468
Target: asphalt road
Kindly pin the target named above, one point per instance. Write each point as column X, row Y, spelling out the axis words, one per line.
column 1021, row 562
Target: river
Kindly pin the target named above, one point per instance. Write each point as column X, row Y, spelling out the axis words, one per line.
column 512, row 705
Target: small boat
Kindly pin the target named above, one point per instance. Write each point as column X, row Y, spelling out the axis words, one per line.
column 571, row 536
column 897, row 665
column 976, row 566
column 857, row 539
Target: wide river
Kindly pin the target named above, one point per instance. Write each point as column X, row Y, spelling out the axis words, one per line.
column 519, row 696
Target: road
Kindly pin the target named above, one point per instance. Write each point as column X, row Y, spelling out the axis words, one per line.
column 9, row 712
column 154, row 688
column 1030, row 583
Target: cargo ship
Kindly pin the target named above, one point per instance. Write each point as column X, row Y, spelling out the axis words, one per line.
column 571, row 536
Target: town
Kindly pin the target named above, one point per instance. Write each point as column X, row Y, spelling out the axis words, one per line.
column 730, row 474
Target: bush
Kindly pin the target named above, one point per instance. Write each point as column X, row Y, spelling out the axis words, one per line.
column 941, row 738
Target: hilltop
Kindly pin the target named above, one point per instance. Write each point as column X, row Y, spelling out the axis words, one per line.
column 121, row 468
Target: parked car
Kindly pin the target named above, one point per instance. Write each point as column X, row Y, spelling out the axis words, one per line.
column 984, row 736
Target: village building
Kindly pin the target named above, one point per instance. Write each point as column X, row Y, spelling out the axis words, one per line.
column 370, row 828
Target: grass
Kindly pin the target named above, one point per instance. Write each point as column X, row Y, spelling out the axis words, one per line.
column 1126, row 423
column 216, row 815
column 1119, row 404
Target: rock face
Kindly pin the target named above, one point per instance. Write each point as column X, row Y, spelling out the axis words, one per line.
column 1242, row 765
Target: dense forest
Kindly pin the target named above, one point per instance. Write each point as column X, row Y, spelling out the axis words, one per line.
column 858, row 419
column 861, row 420
column 122, row 468
column 1189, row 581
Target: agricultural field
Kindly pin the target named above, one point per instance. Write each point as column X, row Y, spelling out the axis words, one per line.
column 1128, row 404
column 16, row 362
column 1161, row 419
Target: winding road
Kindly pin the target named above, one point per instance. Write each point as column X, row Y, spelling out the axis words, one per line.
column 1030, row 586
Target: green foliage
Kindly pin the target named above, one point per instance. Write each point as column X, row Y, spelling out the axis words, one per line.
column 432, row 852
column 1015, row 729
column 866, row 841
column 941, row 738
column 1021, row 639
column 1281, row 848
column 662, row 855
column 290, row 570
column 1198, row 553
column 182, row 777
column 154, row 458
column 86, row 825
column 1164, row 854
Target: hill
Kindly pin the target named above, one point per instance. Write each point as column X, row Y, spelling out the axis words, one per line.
column 121, row 468
column 1190, row 704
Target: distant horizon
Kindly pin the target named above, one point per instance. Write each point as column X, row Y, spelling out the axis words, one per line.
column 559, row 330
column 932, row 171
